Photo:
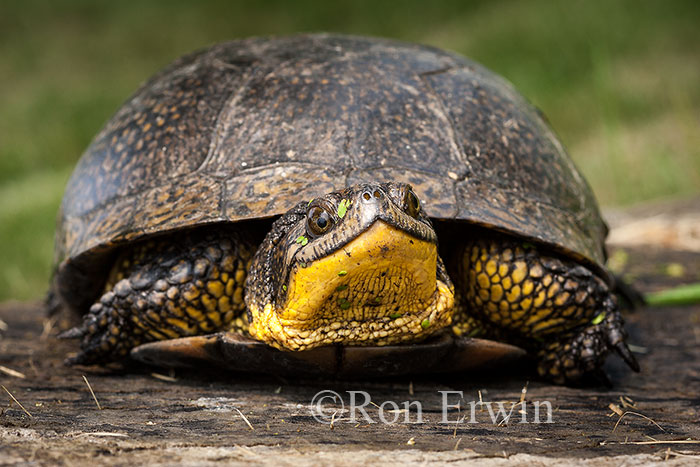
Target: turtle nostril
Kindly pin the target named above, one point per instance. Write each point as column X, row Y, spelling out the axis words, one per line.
column 366, row 196
column 377, row 194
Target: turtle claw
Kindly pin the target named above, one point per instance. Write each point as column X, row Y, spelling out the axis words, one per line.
column 626, row 354
column 72, row 333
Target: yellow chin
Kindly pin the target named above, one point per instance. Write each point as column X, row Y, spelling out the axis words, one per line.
column 379, row 289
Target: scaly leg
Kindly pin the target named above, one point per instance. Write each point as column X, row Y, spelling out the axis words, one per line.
column 556, row 308
column 163, row 289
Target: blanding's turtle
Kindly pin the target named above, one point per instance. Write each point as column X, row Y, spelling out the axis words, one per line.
column 275, row 204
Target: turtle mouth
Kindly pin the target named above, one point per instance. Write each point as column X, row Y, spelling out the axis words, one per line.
column 380, row 288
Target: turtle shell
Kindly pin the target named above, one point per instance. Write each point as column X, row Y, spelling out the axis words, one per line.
column 247, row 129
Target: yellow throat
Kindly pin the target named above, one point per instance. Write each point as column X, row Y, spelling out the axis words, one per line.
column 380, row 288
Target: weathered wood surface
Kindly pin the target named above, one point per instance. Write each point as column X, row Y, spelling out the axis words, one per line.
column 194, row 418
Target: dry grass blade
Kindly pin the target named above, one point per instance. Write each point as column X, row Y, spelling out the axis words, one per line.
column 16, row 401
column 167, row 378
column 11, row 372
column 627, row 402
column 680, row 454
column 92, row 392
column 677, row 441
column 245, row 419
column 47, row 326
column 616, row 408
column 523, row 392
column 639, row 415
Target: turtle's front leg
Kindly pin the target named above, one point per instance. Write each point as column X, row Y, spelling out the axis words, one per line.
column 172, row 287
column 557, row 309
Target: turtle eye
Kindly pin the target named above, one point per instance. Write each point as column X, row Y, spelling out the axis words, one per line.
column 411, row 203
column 318, row 220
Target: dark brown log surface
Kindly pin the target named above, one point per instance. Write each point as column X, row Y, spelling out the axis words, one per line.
column 193, row 417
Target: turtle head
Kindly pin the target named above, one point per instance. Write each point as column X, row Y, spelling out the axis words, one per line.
column 357, row 267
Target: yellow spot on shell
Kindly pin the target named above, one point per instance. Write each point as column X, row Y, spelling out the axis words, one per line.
column 526, row 303
column 503, row 270
column 483, row 280
column 528, row 287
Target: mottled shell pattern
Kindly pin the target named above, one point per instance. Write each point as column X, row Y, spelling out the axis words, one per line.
column 247, row 129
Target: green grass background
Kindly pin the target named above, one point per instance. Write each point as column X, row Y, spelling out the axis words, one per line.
column 619, row 80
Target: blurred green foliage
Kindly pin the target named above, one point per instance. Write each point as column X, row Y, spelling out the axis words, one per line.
column 618, row 80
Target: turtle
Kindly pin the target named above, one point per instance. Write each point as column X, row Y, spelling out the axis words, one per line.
column 339, row 204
